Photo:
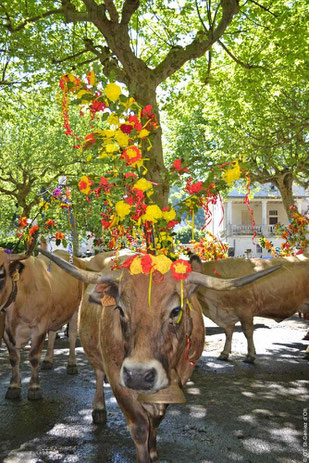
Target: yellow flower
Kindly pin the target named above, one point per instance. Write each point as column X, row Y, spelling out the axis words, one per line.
column 103, row 154
column 233, row 174
column 122, row 138
column 169, row 215
column 143, row 133
column 111, row 148
column 44, row 204
column 162, row 263
column 136, row 266
column 108, row 133
column 113, row 119
column 153, row 214
column 112, row 91
column 122, row 209
column 180, row 267
column 81, row 93
column 143, row 184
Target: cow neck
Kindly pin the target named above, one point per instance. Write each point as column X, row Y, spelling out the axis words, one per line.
column 12, row 296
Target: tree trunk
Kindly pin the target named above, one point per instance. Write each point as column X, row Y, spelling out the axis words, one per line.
column 145, row 94
column 284, row 183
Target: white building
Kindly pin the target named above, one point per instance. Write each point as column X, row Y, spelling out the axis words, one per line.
column 235, row 226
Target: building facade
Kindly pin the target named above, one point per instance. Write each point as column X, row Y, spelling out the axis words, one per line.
column 236, row 228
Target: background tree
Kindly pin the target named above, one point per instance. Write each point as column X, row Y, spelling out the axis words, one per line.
column 254, row 106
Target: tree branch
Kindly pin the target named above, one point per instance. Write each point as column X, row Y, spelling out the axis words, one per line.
column 34, row 19
column 58, row 61
column 112, row 11
column 129, row 8
column 241, row 63
column 178, row 56
column 263, row 7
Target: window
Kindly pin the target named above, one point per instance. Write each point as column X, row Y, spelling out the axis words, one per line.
column 273, row 217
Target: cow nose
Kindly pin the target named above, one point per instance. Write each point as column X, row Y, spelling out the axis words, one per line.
column 139, row 379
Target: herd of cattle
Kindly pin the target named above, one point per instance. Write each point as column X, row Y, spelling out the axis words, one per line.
column 136, row 347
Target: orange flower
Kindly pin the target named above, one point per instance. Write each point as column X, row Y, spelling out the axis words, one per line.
column 59, row 236
column 23, row 222
column 33, row 230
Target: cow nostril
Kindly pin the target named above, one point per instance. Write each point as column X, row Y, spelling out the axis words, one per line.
column 150, row 375
column 127, row 373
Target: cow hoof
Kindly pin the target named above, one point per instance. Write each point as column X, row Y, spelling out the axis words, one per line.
column 35, row 394
column 224, row 357
column 46, row 365
column 99, row 416
column 72, row 370
column 13, row 393
column 249, row 359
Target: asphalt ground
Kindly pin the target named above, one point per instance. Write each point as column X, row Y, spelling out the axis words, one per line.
column 235, row 412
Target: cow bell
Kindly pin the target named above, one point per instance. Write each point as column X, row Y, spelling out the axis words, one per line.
column 173, row 394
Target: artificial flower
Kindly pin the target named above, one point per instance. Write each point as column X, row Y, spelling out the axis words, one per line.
column 110, row 148
column 33, row 230
column 84, row 184
column 143, row 185
column 122, row 209
column 112, row 91
column 126, row 128
column 121, row 138
column 162, row 263
column 91, row 77
column 153, row 213
column 143, row 133
column 233, row 174
column 59, row 236
column 181, row 269
column 49, row 223
column 169, row 215
column 132, row 155
column 23, row 222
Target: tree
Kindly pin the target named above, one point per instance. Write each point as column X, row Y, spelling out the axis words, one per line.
column 257, row 110
column 141, row 59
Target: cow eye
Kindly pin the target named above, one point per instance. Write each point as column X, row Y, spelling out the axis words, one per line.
column 120, row 310
column 175, row 312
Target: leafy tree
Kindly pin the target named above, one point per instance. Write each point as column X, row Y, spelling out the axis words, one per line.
column 254, row 106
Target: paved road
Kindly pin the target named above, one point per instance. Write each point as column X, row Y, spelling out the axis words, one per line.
column 235, row 412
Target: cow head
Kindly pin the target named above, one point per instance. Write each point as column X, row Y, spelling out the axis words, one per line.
column 10, row 269
column 153, row 335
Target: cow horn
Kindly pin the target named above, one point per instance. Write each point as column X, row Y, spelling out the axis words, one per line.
column 83, row 275
column 21, row 256
column 227, row 284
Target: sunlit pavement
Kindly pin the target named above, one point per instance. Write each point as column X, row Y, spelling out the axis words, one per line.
column 235, row 412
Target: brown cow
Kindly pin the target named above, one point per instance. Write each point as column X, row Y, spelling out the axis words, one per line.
column 278, row 297
column 36, row 301
column 138, row 346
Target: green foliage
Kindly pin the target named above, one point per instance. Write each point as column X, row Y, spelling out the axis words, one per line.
column 184, row 234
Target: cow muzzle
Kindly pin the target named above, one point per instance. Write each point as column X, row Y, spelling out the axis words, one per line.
column 143, row 376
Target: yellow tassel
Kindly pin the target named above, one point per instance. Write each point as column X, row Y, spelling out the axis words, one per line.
column 192, row 225
column 149, row 288
column 189, row 305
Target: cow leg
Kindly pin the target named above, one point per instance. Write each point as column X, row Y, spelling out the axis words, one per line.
column 156, row 414
column 247, row 326
column 137, row 420
column 229, row 330
column 14, row 390
column 48, row 361
column 72, row 366
column 99, row 412
column 34, row 391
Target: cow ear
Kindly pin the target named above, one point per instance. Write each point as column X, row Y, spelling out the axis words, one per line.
column 102, row 289
column 15, row 269
column 196, row 263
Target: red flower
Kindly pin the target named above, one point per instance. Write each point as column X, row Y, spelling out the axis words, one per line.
column 128, row 262
column 97, row 106
column 180, row 269
column 193, row 188
column 105, row 223
column 126, row 128
column 147, row 110
column 33, row 230
column 130, row 174
column 23, row 222
column 132, row 155
column 133, row 118
column 129, row 200
column 138, row 126
column 49, row 223
column 177, row 166
column 59, row 236
column 147, row 264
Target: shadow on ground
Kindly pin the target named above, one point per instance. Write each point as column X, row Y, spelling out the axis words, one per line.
column 235, row 412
